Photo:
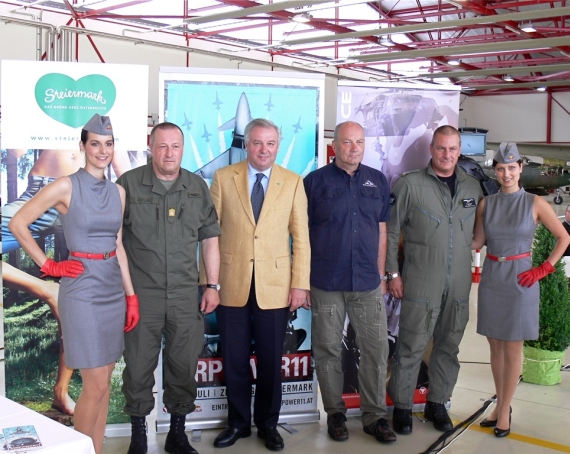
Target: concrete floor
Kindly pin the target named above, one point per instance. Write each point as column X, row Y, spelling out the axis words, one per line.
column 540, row 419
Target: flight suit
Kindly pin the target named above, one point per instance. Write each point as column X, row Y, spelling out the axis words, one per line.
column 437, row 232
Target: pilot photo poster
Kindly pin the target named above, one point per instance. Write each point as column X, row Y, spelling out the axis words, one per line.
column 44, row 107
column 212, row 107
column 398, row 120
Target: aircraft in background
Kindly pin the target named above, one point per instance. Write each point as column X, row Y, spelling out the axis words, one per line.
column 537, row 178
column 542, row 179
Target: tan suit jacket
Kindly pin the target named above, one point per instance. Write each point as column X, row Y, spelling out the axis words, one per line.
column 279, row 265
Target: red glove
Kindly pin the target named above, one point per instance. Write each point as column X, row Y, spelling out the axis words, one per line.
column 133, row 316
column 65, row 268
column 528, row 278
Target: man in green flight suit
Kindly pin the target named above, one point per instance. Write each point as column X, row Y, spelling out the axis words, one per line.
column 434, row 209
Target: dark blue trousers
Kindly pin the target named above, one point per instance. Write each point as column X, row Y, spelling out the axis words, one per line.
column 238, row 327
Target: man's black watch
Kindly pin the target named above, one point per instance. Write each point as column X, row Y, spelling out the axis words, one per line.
column 391, row 276
column 216, row 287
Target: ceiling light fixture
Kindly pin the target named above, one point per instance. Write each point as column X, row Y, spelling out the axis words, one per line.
column 386, row 41
column 541, row 89
column 454, row 62
column 527, row 27
column 302, row 18
column 508, row 78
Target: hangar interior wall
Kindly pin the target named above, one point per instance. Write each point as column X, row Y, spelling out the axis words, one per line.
column 520, row 118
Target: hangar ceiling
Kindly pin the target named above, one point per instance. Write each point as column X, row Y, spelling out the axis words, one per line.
column 486, row 47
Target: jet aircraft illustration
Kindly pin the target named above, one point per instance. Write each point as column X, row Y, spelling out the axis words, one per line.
column 236, row 152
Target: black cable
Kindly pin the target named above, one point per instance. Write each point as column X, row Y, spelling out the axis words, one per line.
column 442, row 440
column 464, row 425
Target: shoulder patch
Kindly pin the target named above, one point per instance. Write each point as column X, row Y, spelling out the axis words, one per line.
column 411, row 171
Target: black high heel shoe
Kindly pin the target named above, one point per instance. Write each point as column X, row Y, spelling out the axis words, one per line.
column 500, row 433
column 493, row 422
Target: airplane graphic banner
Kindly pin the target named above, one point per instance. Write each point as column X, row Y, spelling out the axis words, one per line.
column 212, row 107
column 398, row 121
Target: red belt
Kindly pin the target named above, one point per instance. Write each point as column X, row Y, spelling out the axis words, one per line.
column 87, row 255
column 511, row 257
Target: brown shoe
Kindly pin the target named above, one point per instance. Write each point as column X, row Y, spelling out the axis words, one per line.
column 337, row 427
column 381, row 430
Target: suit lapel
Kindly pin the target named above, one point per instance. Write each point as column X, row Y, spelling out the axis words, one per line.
column 242, row 189
column 274, row 186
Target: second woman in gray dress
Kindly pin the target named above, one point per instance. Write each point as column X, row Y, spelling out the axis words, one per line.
column 507, row 310
column 96, row 277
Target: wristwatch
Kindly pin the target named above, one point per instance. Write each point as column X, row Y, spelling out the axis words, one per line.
column 216, row 287
column 383, row 278
column 391, row 276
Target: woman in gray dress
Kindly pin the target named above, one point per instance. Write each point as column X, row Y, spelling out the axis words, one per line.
column 95, row 279
column 507, row 310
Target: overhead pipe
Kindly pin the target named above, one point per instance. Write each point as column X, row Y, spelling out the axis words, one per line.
column 424, row 27
column 39, row 25
column 468, row 49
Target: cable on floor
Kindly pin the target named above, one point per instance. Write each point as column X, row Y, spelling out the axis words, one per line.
column 442, row 442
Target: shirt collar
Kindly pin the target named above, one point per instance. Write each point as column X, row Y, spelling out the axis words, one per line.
column 251, row 172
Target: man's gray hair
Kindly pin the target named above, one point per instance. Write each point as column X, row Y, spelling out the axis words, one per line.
column 262, row 123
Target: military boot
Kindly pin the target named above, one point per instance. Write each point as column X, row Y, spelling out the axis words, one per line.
column 138, row 435
column 177, row 440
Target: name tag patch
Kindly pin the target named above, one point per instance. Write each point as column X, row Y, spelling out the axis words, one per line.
column 469, row 203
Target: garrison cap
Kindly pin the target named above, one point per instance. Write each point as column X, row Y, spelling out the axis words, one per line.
column 507, row 153
column 99, row 125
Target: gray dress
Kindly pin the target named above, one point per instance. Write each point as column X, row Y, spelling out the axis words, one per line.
column 92, row 306
column 506, row 310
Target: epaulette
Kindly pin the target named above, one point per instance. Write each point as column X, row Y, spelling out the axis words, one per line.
column 411, row 171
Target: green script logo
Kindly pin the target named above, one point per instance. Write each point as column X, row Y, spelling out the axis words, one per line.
column 74, row 102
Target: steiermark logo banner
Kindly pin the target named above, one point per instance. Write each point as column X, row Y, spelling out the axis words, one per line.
column 45, row 104
column 73, row 102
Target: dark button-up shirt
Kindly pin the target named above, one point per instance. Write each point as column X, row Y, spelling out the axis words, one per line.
column 344, row 217
column 162, row 229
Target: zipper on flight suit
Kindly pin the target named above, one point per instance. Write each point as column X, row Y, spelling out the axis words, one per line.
column 157, row 222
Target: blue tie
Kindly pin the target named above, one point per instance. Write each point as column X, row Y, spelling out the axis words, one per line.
column 257, row 196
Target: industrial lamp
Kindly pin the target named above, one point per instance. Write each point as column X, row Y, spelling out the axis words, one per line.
column 527, row 27
column 386, row 41
column 302, row 18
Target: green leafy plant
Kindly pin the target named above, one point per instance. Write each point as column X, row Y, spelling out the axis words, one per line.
column 554, row 319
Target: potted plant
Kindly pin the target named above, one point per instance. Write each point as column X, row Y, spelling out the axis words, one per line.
column 543, row 356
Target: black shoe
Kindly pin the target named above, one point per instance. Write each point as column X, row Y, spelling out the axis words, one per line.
column 402, row 421
column 493, row 422
column 230, row 435
column 177, row 440
column 337, row 427
column 273, row 440
column 488, row 423
column 138, row 436
column 381, row 430
column 438, row 414
column 500, row 433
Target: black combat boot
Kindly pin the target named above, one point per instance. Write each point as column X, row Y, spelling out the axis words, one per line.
column 177, row 440
column 138, row 435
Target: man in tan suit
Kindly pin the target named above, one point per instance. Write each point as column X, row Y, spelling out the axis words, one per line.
column 261, row 207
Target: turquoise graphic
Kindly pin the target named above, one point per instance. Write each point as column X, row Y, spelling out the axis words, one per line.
column 213, row 117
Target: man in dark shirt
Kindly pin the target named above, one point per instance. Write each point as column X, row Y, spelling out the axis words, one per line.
column 348, row 210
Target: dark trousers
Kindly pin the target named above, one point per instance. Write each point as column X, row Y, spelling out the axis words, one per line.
column 238, row 326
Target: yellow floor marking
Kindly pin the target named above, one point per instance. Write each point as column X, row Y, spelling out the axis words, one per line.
column 526, row 439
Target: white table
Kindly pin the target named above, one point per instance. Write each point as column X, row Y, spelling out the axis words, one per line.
column 55, row 438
